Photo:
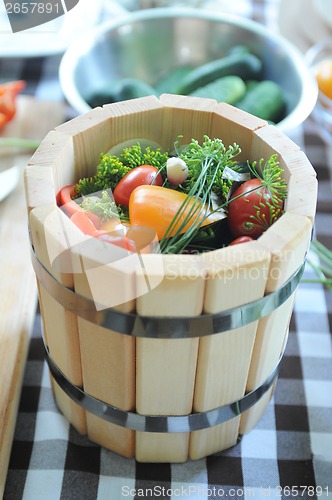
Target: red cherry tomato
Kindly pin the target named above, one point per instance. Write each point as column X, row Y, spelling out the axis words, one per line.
column 253, row 211
column 241, row 239
column 138, row 176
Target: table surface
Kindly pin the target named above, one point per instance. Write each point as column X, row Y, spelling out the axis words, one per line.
column 291, row 447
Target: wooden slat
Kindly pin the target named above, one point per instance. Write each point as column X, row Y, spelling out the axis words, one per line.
column 287, row 240
column 190, row 117
column 45, row 175
column 48, row 229
column 295, row 162
column 135, row 119
column 233, row 125
column 90, row 138
column 108, row 361
column 97, row 131
column 269, row 140
column 302, row 199
column 236, row 275
column 165, row 368
column 108, row 358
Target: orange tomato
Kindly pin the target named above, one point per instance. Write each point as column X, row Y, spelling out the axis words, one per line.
column 323, row 73
column 155, row 207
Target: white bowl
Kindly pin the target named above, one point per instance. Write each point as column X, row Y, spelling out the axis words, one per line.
column 146, row 43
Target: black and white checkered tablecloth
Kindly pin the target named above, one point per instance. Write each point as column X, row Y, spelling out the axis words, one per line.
column 288, row 454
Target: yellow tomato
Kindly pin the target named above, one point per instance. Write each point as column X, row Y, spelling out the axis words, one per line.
column 324, row 77
column 156, row 206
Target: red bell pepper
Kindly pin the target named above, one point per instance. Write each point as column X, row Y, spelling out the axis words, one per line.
column 8, row 93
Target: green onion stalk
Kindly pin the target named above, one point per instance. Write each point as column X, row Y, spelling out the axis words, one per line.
column 323, row 270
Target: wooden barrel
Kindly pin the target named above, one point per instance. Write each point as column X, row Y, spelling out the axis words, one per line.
column 164, row 357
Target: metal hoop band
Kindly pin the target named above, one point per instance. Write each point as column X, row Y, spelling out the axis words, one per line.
column 151, row 423
column 166, row 327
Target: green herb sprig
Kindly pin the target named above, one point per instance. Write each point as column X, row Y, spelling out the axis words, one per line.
column 270, row 173
column 215, row 153
column 111, row 168
column 206, row 163
column 103, row 206
column 323, row 269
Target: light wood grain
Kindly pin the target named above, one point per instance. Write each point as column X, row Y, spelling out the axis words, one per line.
column 107, row 278
column 287, row 240
column 165, row 368
column 48, row 229
column 190, row 117
column 18, row 288
column 270, row 140
column 98, row 130
column 45, row 176
column 138, row 118
column 233, row 125
column 235, row 275
column 108, row 357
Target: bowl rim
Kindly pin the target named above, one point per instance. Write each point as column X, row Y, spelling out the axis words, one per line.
column 309, row 92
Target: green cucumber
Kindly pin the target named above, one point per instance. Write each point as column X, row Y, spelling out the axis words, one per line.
column 228, row 89
column 168, row 84
column 251, row 84
column 131, row 88
column 239, row 49
column 265, row 100
column 127, row 88
column 246, row 66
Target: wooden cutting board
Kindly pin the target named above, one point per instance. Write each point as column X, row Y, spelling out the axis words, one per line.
column 18, row 291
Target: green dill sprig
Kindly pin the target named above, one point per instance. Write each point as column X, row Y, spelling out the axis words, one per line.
column 206, row 163
column 269, row 209
column 134, row 156
column 104, row 206
column 111, row 168
column 214, row 150
column 88, row 185
column 260, row 219
column 110, row 171
column 270, row 173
